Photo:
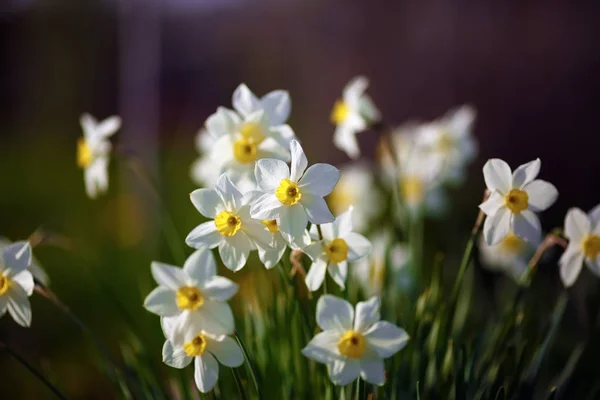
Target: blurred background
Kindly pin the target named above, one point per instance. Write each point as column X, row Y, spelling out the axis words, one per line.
column 530, row 68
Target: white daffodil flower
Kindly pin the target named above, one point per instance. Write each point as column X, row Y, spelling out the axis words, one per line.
column 339, row 246
column 193, row 297
column 508, row 256
column 356, row 187
column 93, row 152
column 241, row 141
column 204, row 171
column 231, row 228
column 352, row 114
column 583, row 232
column 293, row 197
column 353, row 343
column 16, row 282
column 450, row 140
column 276, row 106
column 34, row 267
column 514, row 200
column 205, row 349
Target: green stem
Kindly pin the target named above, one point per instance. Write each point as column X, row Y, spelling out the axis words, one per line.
column 238, row 383
column 33, row 371
column 249, row 362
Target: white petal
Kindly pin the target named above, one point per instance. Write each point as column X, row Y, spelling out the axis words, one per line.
column 343, row 223
column 323, row 347
column 162, row 301
column 526, row 173
column 497, row 226
column 342, row 372
column 292, row 223
column 244, row 101
column 314, row 251
column 354, row 90
column 316, row 275
column 367, row 313
column 541, row 195
column 18, row 306
column 270, row 258
column 214, row 317
column 234, row 251
column 339, row 273
column 334, row 313
column 594, row 265
column 168, row 324
column 269, row 174
column 267, row 206
column 252, row 196
column 88, row 124
column 3, row 305
column 373, row 371
column 344, row 138
column 358, row 246
column 168, row 275
column 577, row 225
column 206, row 372
column 227, row 352
column 207, row 202
column 229, row 194
column 108, row 127
column 299, row 161
column 17, row 258
column 89, row 178
column 200, row 266
column 277, row 104
column 497, row 175
column 219, row 288
column 283, row 134
column 25, row 280
column 175, row 357
column 570, row 265
column 594, row 216
column 316, row 208
column 319, row 179
column 526, row 225
column 257, row 232
column 492, row 204
column 386, row 338
column 204, row 235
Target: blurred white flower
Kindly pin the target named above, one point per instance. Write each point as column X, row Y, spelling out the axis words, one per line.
column 34, row 267
column 204, row 172
column 514, row 199
column 352, row 114
column 508, row 256
column 339, row 246
column 231, row 228
column 293, row 197
column 356, row 187
column 16, row 282
column 583, row 232
column 205, row 349
column 193, row 297
column 93, row 152
column 354, row 343
column 276, row 106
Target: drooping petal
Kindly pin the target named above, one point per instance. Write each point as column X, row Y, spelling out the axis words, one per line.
column 316, row 208
column 316, row 275
column 342, row 372
column 292, row 223
column 17, row 258
column 269, row 174
column 492, row 204
column 497, row 226
column 570, row 264
column 162, row 301
column 168, row 275
column 267, row 206
column 219, row 288
column 207, row 202
column 386, row 338
column 175, row 356
column 227, row 352
column 244, row 101
column 204, row 235
column 526, row 173
column 200, row 266
column 367, row 313
column 541, row 195
column 270, row 257
column 323, row 347
column 229, row 194
column 277, row 105
column 25, row 280
column 526, row 225
column 334, row 313
column 206, row 372
column 372, row 370
column 497, row 175
column 319, row 179
column 339, row 273
column 299, row 161
column 358, row 246
column 577, row 225
column 18, row 306
column 234, row 251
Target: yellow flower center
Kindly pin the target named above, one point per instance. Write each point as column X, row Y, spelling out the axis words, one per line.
column 227, row 223
column 352, row 344
column 412, row 189
column 271, row 225
column 189, row 298
column 512, row 244
column 340, row 112
column 591, row 246
column 516, row 200
column 4, row 284
column 196, row 347
column 244, row 150
column 253, row 131
column 85, row 156
column 337, row 250
column 288, row 192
